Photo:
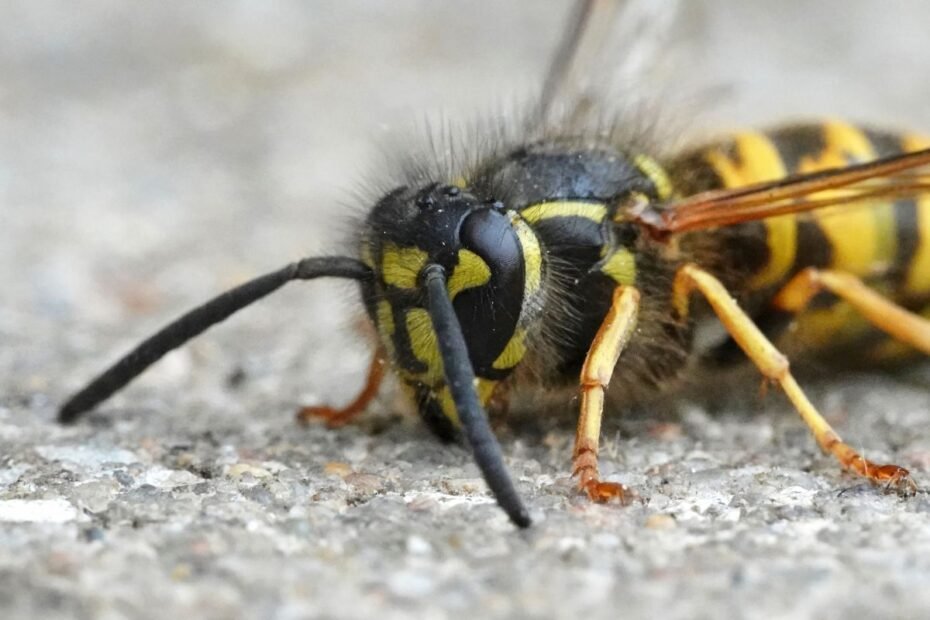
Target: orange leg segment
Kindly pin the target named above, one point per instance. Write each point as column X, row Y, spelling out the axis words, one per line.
column 334, row 417
column 774, row 366
column 598, row 367
column 902, row 325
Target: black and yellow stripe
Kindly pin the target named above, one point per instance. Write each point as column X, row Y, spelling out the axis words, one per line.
column 873, row 240
column 885, row 243
column 585, row 223
column 917, row 269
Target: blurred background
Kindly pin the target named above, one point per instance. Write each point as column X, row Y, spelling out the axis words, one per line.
column 153, row 154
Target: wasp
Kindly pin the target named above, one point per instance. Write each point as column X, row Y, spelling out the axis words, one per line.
column 578, row 258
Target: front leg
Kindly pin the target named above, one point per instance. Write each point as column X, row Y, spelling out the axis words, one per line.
column 336, row 417
column 599, row 364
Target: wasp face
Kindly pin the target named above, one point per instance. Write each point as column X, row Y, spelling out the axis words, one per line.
column 481, row 248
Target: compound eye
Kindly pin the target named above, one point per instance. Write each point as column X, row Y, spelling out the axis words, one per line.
column 490, row 235
column 489, row 313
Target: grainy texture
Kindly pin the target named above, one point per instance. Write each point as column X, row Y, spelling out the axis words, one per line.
column 151, row 155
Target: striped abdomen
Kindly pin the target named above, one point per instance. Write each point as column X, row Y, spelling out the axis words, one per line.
column 887, row 244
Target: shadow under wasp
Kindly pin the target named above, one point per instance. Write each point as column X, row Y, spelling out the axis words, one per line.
column 576, row 256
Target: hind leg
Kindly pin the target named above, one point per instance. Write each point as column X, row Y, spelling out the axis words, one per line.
column 902, row 325
column 774, row 365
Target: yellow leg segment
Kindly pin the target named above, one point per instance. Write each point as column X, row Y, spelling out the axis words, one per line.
column 334, row 417
column 900, row 324
column 774, row 366
column 598, row 367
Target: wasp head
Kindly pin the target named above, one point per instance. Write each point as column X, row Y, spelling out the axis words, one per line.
column 480, row 247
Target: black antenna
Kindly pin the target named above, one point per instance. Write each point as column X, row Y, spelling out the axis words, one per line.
column 460, row 377
column 198, row 320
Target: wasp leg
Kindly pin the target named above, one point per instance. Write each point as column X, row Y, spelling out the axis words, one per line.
column 334, row 417
column 598, row 367
column 774, row 366
column 900, row 324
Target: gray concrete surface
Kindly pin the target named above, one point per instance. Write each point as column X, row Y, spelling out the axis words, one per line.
column 152, row 154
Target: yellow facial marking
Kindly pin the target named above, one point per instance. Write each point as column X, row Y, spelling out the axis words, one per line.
column 621, row 266
column 594, row 211
column 401, row 266
column 655, row 173
column 385, row 318
column 758, row 160
column 512, row 353
column 423, row 344
column 471, row 271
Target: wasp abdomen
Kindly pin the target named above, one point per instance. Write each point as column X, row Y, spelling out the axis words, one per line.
column 886, row 243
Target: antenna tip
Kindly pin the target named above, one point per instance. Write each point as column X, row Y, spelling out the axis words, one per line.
column 69, row 412
column 521, row 518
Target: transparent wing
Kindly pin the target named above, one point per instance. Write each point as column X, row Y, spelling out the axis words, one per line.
column 891, row 178
column 608, row 45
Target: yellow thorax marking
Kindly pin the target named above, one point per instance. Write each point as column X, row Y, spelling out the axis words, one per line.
column 621, row 266
column 594, row 211
column 655, row 173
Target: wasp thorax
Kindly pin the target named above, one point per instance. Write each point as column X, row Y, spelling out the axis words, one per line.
column 480, row 246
